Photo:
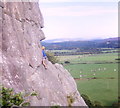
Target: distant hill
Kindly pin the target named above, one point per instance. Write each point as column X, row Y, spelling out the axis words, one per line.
column 84, row 44
column 62, row 40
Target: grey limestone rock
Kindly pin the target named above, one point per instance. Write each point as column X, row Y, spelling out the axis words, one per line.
column 21, row 58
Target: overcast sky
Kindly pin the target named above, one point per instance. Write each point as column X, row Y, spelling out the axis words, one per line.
column 80, row 18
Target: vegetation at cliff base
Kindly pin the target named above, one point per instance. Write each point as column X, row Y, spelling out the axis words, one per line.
column 90, row 103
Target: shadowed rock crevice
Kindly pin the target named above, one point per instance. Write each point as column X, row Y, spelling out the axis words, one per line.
column 21, row 58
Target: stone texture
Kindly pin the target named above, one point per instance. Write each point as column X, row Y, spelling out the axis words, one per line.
column 24, row 11
column 22, row 67
column 1, row 19
column 1, row 4
column 1, row 28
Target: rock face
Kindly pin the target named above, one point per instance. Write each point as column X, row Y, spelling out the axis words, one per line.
column 21, row 58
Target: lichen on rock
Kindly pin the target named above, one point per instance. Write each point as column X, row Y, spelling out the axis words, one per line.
column 21, row 26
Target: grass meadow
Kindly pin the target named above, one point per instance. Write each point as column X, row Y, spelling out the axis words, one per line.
column 96, row 75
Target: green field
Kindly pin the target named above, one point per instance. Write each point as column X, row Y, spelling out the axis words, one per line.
column 94, row 58
column 97, row 75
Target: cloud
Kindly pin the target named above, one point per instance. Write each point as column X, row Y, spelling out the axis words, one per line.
column 88, row 27
column 51, row 1
column 78, row 11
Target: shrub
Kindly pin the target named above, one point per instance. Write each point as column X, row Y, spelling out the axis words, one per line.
column 9, row 98
column 66, row 62
column 90, row 103
column 33, row 94
column 70, row 100
column 116, row 104
column 51, row 57
column 97, row 104
column 87, row 100
column 56, row 106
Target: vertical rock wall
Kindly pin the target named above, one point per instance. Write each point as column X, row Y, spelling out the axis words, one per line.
column 21, row 57
column 1, row 9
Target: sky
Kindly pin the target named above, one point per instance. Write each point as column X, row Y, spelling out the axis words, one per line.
column 83, row 19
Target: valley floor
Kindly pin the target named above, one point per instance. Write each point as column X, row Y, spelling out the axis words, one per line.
column 96, row 75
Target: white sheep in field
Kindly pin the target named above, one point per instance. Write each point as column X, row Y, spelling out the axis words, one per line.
column 104, row 68
column 80, row 72
column 80, row 76
column 99, row 69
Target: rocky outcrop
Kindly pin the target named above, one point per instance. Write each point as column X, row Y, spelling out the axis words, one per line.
column 21, row 57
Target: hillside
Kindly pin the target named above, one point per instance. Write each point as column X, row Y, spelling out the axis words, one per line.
column 100, row 43
column 21, row 26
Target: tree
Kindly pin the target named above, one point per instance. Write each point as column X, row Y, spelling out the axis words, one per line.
column 51, row 57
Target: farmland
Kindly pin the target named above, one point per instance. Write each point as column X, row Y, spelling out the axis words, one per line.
column 96, row 75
